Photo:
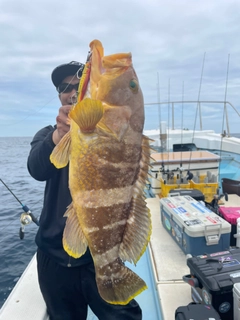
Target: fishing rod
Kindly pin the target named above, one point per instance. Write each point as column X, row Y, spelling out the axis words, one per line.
column 26, row 217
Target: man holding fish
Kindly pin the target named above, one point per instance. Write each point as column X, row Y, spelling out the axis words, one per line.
column 95, row 163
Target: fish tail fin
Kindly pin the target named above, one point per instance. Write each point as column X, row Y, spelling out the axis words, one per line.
column 119, row 287
column 87, row 113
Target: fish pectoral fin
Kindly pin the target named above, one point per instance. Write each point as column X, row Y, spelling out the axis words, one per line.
column 119, row 287
column 105, row 130
column 117, row 122
column 74, row 240
column 87, row 113
column 60, row 154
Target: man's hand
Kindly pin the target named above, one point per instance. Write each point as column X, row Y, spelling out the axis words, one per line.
column 63, row 125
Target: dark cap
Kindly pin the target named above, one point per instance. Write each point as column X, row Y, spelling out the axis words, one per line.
column 64, row 70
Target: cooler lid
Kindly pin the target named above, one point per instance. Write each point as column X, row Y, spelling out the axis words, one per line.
column 196, row 219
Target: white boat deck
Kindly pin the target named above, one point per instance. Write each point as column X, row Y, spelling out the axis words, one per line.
column 168, row 264
column 25, row 302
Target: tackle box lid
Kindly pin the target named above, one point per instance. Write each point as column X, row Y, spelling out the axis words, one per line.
column 194, row 217
column 218, row 271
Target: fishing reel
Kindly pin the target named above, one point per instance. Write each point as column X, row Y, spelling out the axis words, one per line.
column 189, row 175
column 214, row 204
column 26, row 218
column 217, row 197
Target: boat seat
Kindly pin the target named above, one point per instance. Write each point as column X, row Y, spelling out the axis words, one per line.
column 231, row 186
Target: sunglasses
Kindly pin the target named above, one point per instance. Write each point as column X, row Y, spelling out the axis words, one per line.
column 67, row 87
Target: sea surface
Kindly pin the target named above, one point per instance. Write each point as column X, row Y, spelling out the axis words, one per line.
column 15, row 253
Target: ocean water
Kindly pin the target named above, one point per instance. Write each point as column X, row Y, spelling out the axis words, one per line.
column 15, row 253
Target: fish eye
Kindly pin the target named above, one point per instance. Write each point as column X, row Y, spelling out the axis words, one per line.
column 134, row 85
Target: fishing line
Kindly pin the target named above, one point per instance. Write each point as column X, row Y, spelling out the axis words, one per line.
column 29, row 115
column 41, row 108
column 5, row 229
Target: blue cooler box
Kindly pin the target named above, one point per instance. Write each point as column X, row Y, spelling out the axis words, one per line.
column 195, row 228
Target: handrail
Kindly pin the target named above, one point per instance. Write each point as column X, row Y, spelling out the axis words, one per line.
column 199, row 104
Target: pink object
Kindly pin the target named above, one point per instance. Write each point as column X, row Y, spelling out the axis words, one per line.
column 230, row 214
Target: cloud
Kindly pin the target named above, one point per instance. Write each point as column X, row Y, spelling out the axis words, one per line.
column 171, row 43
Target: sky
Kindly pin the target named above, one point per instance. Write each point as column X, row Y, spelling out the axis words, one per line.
column 182, row 50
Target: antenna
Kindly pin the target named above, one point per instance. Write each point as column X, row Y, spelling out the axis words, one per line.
column 198, row 108
column 224, row 113
column 168, row 118
column 182, row 121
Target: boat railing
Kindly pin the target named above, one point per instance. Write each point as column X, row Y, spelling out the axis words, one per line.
column 199, row 104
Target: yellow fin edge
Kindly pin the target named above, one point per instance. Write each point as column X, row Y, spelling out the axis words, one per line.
column 130, row 298
column 145, row 246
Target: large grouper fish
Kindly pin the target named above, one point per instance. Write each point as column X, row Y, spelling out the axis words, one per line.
column 108, row 158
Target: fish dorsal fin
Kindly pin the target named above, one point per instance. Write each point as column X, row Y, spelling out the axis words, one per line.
column 60, row 154
column 134, row 243
column 87, row 113
column 74, row 240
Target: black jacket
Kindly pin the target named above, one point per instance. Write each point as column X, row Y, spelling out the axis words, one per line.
column 56, row 199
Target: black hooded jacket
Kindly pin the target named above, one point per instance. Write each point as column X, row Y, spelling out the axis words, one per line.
column 56, row 199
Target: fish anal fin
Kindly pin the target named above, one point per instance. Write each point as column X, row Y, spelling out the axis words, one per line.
column 60, row 154
column 121, row 286
column 74, row 240
column 134, row 243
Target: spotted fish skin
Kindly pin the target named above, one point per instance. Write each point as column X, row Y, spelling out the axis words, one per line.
column 108, row 166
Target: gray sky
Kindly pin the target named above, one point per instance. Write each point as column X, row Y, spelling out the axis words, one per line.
column 168, row 40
